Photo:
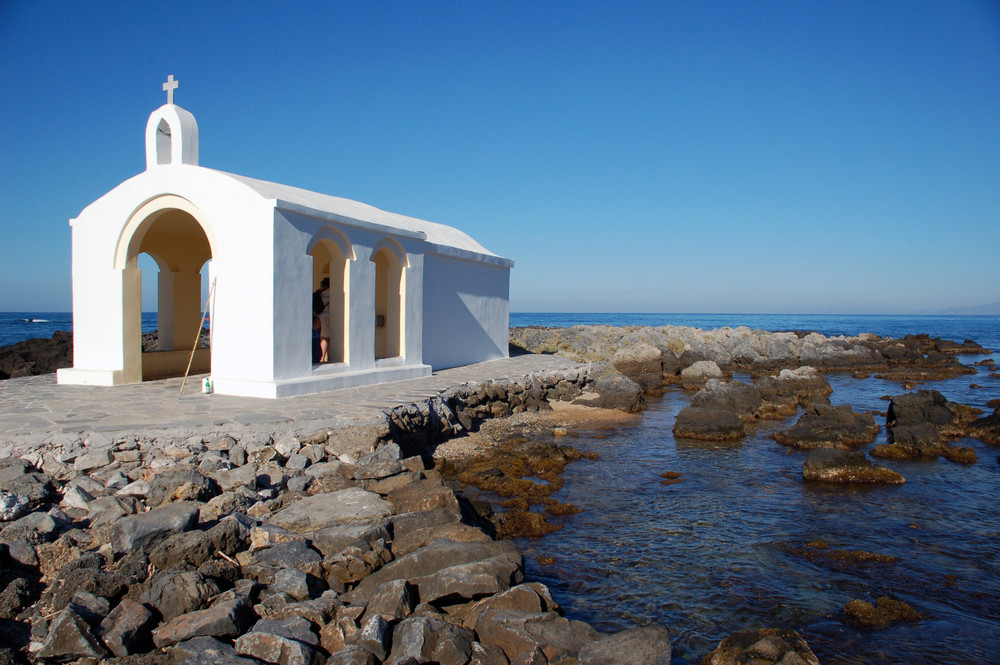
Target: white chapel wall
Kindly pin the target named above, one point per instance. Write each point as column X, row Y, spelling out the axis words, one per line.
column 466, row 311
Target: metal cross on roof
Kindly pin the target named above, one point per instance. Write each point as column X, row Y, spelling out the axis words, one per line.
column 170, row 86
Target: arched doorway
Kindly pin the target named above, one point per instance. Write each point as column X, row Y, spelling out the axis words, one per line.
column 389, row 294
column 178, row 243
column 330, row 255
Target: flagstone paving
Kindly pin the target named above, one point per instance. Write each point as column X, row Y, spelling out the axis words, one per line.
column 37, row 405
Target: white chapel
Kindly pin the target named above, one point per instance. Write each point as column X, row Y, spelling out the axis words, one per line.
column 406, row 296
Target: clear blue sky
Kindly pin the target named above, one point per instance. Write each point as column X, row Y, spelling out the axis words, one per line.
column 828, row 156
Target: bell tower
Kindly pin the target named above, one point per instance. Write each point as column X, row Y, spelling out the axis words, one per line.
column 171, row 133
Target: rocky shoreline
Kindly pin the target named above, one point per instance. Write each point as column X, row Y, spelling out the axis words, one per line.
column 350, row 545
column 330, row 546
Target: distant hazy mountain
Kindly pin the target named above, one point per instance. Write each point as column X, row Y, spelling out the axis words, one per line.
column 992, row 309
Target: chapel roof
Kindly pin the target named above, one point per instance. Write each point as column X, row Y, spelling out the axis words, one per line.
column 439, row 235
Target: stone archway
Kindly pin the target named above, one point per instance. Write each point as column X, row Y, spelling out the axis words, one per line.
column 171, row 231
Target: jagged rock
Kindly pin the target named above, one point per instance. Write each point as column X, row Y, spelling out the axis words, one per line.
column 431, row 640
column 208, row 651
column 791, row 388
column 533, row 656
column 288, row 642
column 708, row 424
column 456, row 531
column 36, row 487
column 822, row 425
column 375, row 636
column 840, row 466
column 394, row 600
column 423, row 495
column 320, row 611
column 469, row 581
column 69, row 638
column 32, row 528
column 612, row 390
column 225, row 619
column 519, row 632
column 438, row 555
column 332, row 509
column 87, row 577
column 531, row 598
column 923, row 406
column 769, row 646
column 181, row 485
column 297, row 584
column 487, row 654
column 176, row 592
column 405, row 524
column 702, row 370
column 95, row 459
column 12, row 505
column 987, row 428
column 291, row 554
column 141, row 530
column 92, row 608
column 76, row 497
column 741, row 398
column 125, row 630
column 16, row 596
column 241, row 476
column 641, row 363
column 352, row 655
column 649, row 645
column 196, row 547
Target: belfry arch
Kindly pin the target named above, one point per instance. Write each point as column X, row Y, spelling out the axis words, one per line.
column 390, row 295
column 331, row 254
column 173, row 232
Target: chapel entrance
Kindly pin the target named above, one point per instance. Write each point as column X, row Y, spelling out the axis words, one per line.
column 329, row 262
column 388, row 303
column 178, row 244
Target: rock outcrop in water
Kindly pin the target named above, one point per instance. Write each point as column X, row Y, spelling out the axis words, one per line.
column 826, row 426
column 741, row 349
column 770, row 646
column 722, row 411
column 916, row 424
column 833, row 465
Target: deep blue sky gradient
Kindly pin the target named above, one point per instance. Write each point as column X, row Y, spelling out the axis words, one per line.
column 799, row 156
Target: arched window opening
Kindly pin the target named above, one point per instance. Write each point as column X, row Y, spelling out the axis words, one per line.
column 163, row 142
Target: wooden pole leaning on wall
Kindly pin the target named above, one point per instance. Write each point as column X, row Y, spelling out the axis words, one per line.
column 197, row 338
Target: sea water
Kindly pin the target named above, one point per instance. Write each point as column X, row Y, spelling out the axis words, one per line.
column 19, row 326
column 717, row 552
column 720, row 551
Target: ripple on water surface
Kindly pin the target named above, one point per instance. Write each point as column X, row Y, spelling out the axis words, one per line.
column 727, row 547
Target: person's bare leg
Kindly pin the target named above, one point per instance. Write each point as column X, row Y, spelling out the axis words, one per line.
column 324, row 347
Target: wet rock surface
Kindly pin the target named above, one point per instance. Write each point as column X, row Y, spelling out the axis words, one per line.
column 833, row 465
column 762, row 647
column 884, row 613
column 826, row 426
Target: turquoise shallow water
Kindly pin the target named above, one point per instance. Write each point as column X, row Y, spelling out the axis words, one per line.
column 715, row 553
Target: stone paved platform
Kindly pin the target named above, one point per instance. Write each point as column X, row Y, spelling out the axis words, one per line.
column 34, row 406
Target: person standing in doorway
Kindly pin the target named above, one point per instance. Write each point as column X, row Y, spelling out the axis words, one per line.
column 324, row 321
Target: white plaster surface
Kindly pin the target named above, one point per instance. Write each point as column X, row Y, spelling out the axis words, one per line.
column 455, row 304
